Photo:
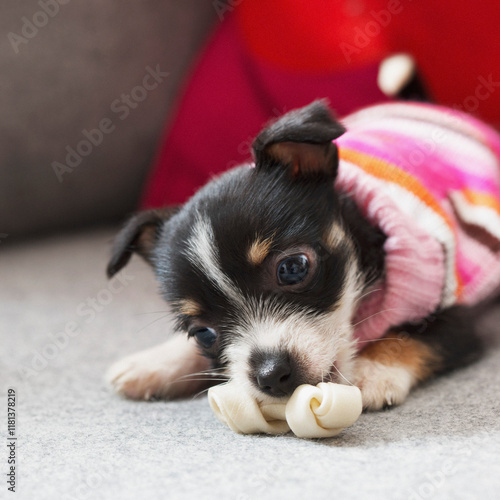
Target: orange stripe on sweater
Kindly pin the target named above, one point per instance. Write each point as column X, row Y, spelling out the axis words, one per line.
column 481, row 199
column 386, row 171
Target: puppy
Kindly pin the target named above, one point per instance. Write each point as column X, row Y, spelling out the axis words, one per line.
column 345, row 252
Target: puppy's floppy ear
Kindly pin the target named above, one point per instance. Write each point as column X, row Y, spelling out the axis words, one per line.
column 140, row 234
column 302, row 141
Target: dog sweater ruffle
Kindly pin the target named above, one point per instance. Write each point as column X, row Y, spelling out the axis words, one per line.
column 429, row 178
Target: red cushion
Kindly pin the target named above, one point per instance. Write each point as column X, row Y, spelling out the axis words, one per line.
column 269, row 57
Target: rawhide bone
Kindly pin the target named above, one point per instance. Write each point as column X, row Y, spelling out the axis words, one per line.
column 311, row 411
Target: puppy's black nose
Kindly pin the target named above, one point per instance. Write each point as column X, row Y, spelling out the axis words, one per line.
column 274, row 373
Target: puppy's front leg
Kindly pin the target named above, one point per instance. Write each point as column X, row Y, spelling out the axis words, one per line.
column 388, row 369
column 162, row 371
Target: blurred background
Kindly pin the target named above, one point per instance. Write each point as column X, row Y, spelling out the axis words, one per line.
column 107, row 106
column 60, row 78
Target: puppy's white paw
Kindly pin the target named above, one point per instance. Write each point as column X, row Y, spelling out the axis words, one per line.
column 161, row 372
column 139, row 377
column 382, row 385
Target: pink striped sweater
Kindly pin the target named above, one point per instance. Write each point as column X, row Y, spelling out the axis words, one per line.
column 429, row 177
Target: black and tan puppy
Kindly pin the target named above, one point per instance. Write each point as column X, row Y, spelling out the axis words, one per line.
column 266, row 268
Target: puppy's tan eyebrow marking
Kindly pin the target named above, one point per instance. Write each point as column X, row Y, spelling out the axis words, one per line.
column 189, row 307
column 336, row 236
column 259, row 250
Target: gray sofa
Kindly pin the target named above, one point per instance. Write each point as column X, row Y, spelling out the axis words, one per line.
column 62, row 324
column 71, row 74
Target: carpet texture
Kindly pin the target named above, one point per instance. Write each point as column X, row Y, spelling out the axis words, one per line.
column 77, row 440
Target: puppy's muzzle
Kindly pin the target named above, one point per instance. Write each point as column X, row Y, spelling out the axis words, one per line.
column 274, row 372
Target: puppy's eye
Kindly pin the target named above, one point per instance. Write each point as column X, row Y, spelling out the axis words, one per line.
column 293, row 270
column 204, row 335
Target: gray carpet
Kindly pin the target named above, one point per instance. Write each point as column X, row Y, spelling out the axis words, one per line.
column 77, row 440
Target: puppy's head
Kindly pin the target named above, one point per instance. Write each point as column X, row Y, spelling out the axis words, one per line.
column 261, row 266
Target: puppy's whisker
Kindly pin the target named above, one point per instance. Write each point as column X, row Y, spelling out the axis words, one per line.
column 380, row 340
column 210, row 380
column 209, row 370
column 220, row 370
column 194, row 379
column 375, row 314
column 340, row 373
column 369, row 293
column 152, row 312
column 200, row 393
column 152, row 322
column 200, row 379
column 214, row 372
column 208, row 376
